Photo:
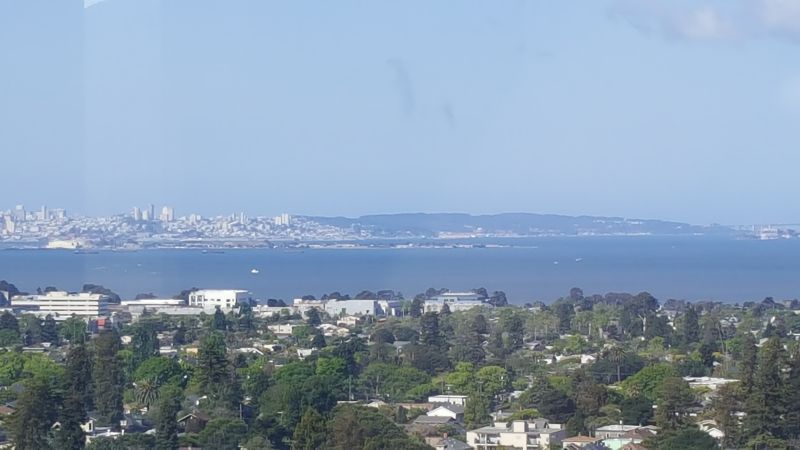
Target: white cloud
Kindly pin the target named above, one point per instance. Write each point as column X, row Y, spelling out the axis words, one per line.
column 710, row 20
column 90, row 3
column 781, row 16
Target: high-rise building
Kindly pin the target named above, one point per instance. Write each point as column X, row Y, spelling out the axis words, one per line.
column 146, row 215
column 137, row 213
column 152, row 215
column 43, row 213
column 167, row 214
column 19, row 213
column 10, row 227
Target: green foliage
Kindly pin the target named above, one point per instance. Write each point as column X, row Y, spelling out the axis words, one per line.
column 391, row 382
column 223, row 434
column 310, row 432
column 675, row 397
column 647, row 381
column 212, row 364
column 169, row 405
column 684, row 439
column 353, row 427
column 107, row 377
column 31, row 423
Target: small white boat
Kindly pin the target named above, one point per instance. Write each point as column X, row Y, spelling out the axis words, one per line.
column 254, row 271
column 578, row 259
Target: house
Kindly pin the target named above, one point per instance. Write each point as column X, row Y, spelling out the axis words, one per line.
column 194, row 422
column 432, row 420
column 447, row 443
column 460, row 400
column 614, row 431
column 282, row 329
column 711, row 427
column 6, row 410
column 576, row 442
column 455, row 412
column 304, row 353
column 348, row 321
column 629, row 438
column 520, row 434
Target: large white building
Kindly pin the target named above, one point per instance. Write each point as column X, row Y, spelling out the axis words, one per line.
column 455, row 301
column 63, row 305
column 225, row 299
column 535, row 434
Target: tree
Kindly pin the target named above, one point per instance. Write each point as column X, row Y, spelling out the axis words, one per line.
column 416, row 306
column 78, row 372
column 212, row 364
column 765, row 404
column 223, row 434
column 748, row 361
column 50, row 330
column 318, row 341
column 107, row 376
column 430, row 334
column 617, row 356
column 690, row 326
column 476, row 411
column 70, row 435
column 73, row 330
column 31, row 329
column 310, row 432
column 355, row 427
column 648, row 380
column 35, row 414
column 674, row 399
column 313, row 317
column 144, row 343
column 9, row 322
column 159, row 367
column 218, row 322
column 169, row 404
column 685, row 439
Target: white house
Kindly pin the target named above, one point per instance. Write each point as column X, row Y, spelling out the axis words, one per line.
column 225, row 299
column 460, row 400
column 455, row 412
column 455, row 301
column 520, row 434
column 63, row 305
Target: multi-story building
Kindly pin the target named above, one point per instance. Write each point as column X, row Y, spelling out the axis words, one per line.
column 225, row 299
column 63, row 305
column 537, row 434
column 455, row 301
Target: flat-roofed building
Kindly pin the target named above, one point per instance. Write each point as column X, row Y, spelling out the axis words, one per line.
column 63, row 305
column 225, row 299
column 455, row 301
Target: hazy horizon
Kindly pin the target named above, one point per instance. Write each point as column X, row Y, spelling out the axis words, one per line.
column 671, row 110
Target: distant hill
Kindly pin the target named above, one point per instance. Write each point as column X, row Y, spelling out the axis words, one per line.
column 521, row 224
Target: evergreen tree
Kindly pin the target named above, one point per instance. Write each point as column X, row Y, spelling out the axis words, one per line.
column 212, row 364
column 476, row 411
column 416, row 306
column 218, row 322
column 792, row 399
column 690, row 326
column 310, row 433
column 318, row 341
column 36, row 412
column 246, row 317
column 9, row 322
column 70, row 434
column 107, row 376
column 179, row 338
column 144, row 343
column 674, row 399
column 765, row 404
column 50, row 330
column 169, row 405
column 430, row 334
column 747, row 362
column 313, row 317
column 79, row 375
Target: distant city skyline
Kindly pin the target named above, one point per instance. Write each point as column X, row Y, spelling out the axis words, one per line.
column 674, row 110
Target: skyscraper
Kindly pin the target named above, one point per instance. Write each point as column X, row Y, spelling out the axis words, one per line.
column 152, row 215
column 137, row 213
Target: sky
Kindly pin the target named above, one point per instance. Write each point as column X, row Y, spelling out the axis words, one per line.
column 670, row 109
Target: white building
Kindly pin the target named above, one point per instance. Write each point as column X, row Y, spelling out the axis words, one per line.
column 534, row 434
column 225, row 299
column 460, row 400
column 455, row 301
column 63, row 305
column 336, row 308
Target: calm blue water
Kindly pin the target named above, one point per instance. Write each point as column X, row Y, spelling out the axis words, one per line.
column 688, row 268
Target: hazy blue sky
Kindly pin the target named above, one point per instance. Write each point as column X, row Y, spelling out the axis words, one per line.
column 685, row 110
